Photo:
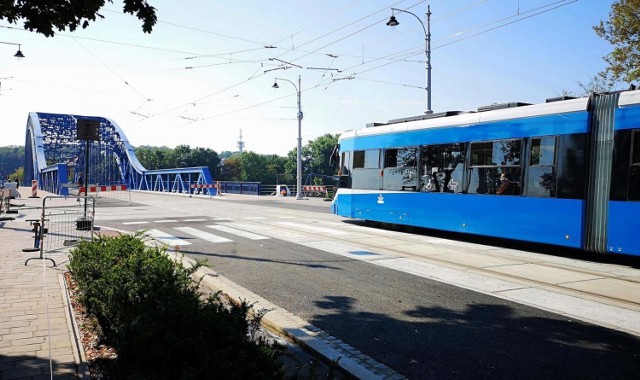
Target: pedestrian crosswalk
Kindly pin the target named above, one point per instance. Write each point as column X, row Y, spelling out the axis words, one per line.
column 169, row 238
column 241, row 233
column 211, row 238
column 166, row 238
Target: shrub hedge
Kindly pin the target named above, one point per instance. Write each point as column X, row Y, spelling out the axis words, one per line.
column 152, row 313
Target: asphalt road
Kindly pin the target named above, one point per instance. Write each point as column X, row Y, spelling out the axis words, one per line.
column 421, row 328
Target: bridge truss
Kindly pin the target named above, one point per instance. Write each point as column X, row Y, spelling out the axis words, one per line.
column 55, row 157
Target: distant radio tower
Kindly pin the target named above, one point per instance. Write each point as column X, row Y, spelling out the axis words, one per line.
column 240, row 142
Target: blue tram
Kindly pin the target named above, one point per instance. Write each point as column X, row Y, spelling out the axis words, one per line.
column 566, row 172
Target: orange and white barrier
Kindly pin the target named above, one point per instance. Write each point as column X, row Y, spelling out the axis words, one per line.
column 34, row 189
column 96, row 189
column 316, row 189
column 206, row 186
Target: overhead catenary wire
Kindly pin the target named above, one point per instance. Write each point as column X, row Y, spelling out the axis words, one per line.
column 370, row 64
column 112, row 71
column 393, row 58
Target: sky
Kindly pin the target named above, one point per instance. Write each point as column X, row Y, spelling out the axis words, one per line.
column 205, row 73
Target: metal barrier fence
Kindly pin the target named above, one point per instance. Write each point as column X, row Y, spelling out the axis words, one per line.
column 248, row 188
column 103, row 193
column 64, row 222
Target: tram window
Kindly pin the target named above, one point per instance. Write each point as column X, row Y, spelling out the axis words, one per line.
column 372, row 159
column 634, row 173
column 442, row 168
column 620, row 168
column 344, row 163
column 495, row 168
column 542, row 172
column 344, row 179
column 391, row 158
column 400, row 158
column 400, row 169
column 358, row 159
column 571, row 165
column 366, row 173
column 366, row 159
column 482, row 154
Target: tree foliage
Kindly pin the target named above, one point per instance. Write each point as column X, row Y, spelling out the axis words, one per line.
column 182, row 156
column 316, row 158
column 43, row 16
column 622, row 30
column 11, row 159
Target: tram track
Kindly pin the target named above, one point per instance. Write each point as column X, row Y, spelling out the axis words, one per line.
column 629, row 275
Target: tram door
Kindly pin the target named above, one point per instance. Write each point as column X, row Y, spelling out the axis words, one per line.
column 624, row 204
column 613, row 187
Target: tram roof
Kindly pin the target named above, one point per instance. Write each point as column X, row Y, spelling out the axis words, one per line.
column 628, row 98
column 466, row 119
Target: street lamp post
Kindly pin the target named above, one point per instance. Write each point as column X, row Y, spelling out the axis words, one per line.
column 427, row 38
column 299, row 159
column 18, row 54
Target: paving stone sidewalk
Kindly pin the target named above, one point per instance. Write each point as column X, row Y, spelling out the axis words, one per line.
column 36, row 339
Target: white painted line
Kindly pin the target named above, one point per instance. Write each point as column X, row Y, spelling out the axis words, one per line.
column 195, row 220
column 165, row 221
column 203, row 235
column 221, row 219
column 132, row 223
column 313, row 229
column 241, row 233
column 275, row 233
column 165, row 238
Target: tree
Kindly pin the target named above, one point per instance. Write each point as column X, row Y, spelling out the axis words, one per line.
column 43, row 16
column 230, row 169
column 11, row 158
column 316, row 157
column 153, row 158
column 622, row 30
column 596, row 85
column 319, row 154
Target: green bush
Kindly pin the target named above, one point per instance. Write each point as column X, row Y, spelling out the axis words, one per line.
column 152, row 313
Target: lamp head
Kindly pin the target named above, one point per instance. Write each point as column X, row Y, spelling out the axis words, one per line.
column 275, row 85
column 19, row 54
column 392, row 22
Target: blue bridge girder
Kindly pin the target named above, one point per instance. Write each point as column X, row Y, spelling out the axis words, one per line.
column 55, row 157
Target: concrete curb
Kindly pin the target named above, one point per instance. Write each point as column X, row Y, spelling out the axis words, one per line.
column 78, row 348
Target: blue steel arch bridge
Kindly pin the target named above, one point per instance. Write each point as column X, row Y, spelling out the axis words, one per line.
column 55, row 157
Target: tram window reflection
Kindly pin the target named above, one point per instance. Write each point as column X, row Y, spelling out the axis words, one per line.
column 493, row 163
column 571, row 165
column 442, row 168
column 634, row 173
column 400, row 169
column 620, row 165
column 542, row 172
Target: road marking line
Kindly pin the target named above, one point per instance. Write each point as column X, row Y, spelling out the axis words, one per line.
column 313, row 229
column 195, row 220
column 165, row 238
column 131, row 223
column 237, row 232
column 203, row 235
column 165, row 221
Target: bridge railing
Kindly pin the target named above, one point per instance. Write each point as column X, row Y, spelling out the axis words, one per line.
column 52, row 179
